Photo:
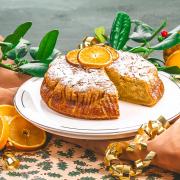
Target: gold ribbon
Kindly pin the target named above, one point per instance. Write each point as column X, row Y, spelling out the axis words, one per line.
column 9, row 160
column 115, row 150
column 88, row 41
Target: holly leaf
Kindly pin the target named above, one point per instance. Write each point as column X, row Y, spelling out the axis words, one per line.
column 170, row 41
column 34, row 69
column 100, row 34
column 46, row 46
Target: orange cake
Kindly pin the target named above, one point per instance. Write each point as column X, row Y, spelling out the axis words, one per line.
column 136, row 79
column 77, row 92
column 94, row 93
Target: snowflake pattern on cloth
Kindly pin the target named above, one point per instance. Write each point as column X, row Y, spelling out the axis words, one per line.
column 65, row 161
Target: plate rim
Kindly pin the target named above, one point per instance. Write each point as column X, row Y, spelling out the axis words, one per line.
column 68, row 131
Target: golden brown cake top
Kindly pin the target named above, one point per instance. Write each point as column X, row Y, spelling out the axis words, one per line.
column 134, row 66
column 78, row 78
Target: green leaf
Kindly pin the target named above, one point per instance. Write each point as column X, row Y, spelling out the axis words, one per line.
column 100, row 34
column 142, row 32
column 139, row 49
column 13, row 39
column 156, row 32
column 19, row 51
column 21, row 62
column 138, row 22
column 22, row 29
column 120, row 30
column 6, row 44
column 143, row 51
column 16, row 36
column 34, row 69
column 127, row 48
column 156, row 62
column 47, row 45
column 172, row 40
column 170, row 70
column 33, row 52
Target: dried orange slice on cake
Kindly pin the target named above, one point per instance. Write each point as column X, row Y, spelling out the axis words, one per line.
column 24, row 135
column 4, row 132
column 115, row 54
column 71, row 57
column 95, row 57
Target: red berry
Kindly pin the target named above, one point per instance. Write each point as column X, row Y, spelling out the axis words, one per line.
column 164, row 33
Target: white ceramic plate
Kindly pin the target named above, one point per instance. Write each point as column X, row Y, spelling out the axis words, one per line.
column 29, row 104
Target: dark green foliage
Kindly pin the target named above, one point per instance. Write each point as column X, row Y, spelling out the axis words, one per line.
column 120, row 30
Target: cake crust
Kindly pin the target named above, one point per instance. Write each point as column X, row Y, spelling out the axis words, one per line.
column 94, row 93
column 80, row 93
column 136, row 79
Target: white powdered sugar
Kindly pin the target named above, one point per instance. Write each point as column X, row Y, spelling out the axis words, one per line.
column 128, row 64
column 78, row 78
column 134, row 66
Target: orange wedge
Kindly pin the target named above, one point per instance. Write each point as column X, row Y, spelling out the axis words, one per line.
column 7, row 110
column 4, row 132
column 71, row 57
column 169, row 51
column 174, row 59
column 114, row 53
column 24, row 135
column 94, row 57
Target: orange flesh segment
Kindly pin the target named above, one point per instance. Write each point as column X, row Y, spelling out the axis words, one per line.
column 4, row 132
column 24, row 135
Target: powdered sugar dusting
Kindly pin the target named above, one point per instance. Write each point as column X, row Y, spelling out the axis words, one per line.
column 78, row 78
column 134, row 66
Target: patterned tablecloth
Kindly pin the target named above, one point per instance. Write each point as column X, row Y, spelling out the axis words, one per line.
column 62, row 160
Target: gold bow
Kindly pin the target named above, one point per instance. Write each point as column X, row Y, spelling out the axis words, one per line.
column 115, row 150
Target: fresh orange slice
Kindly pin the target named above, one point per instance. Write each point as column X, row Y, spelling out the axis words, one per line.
column 71, row 57
column 4, row 132
column 115, row 54
column 174, row 59
column 24, row 135
column 7, row 110
column 95, row 57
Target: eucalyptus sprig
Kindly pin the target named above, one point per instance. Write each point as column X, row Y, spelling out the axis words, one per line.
column 16, row 48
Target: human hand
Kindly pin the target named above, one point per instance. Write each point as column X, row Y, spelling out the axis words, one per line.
column 166, row 146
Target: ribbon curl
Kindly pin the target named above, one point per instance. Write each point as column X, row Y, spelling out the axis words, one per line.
column 114, row 151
